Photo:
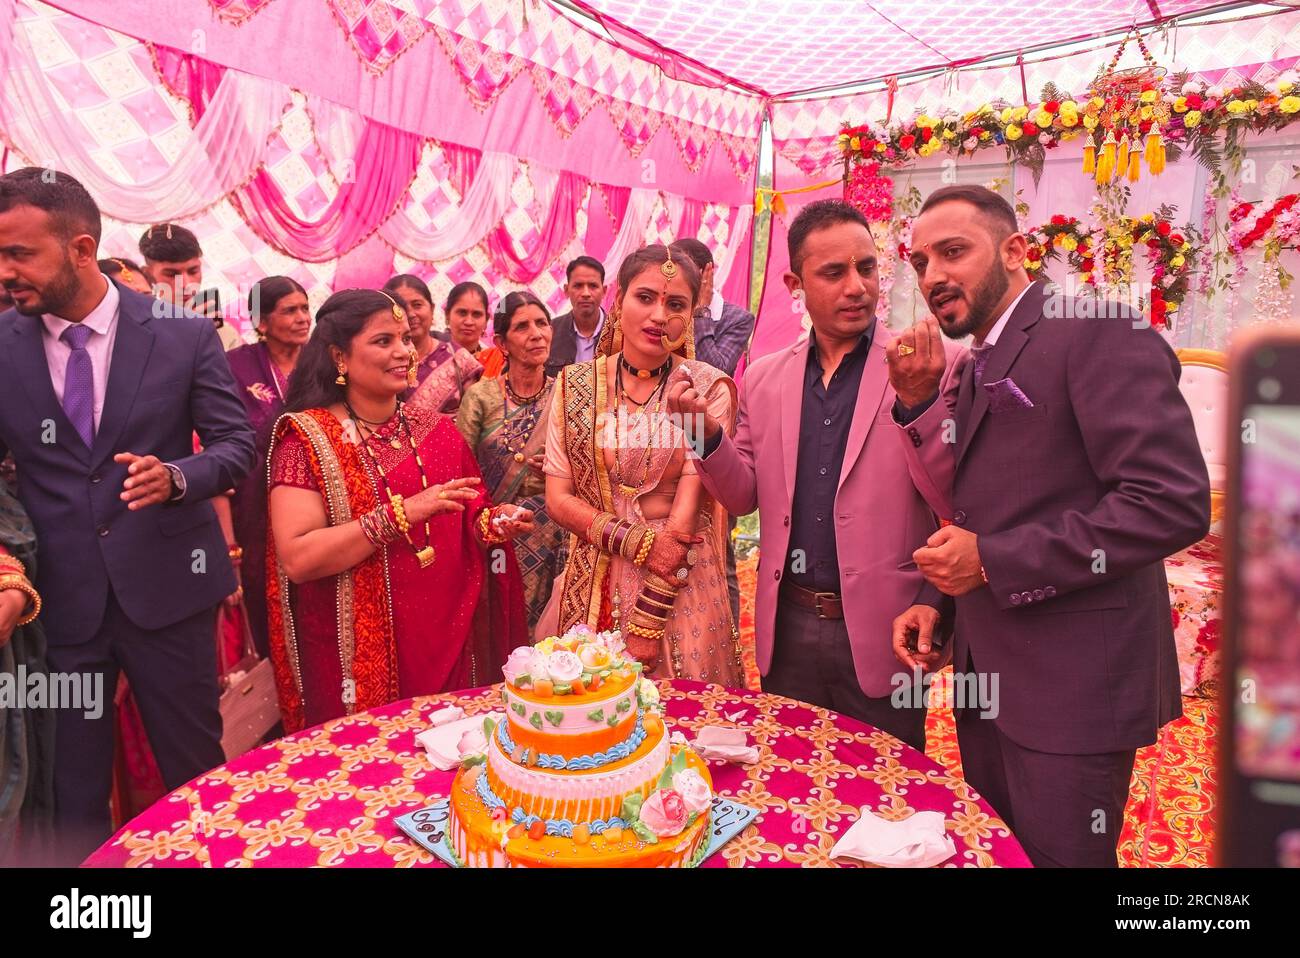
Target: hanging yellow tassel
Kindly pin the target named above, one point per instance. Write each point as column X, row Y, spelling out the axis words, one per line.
column 1106, row 160
column 1155, row 151
column 1134, row 165
column 778, row 204
column 1121, row 158
column 1089, row 156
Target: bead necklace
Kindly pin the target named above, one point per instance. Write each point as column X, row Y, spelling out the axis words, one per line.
column 424, row 556
column 533, row 409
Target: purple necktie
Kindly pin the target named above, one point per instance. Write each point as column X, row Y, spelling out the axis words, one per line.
column 79, row 383
column 981, row 359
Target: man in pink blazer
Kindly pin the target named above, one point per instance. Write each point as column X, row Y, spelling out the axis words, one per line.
column 848, row 472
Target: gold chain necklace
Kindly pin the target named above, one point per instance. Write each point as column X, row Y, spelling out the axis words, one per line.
column 629, row 492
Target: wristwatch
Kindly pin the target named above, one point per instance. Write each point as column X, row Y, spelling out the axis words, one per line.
column 178, row 482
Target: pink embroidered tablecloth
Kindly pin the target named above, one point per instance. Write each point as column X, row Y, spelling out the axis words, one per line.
column 1195, row 596
column 331, row 795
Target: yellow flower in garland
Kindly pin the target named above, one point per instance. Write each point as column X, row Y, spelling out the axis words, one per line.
column 1043, row 119
column 1090, row 122
column 880, row 148
column 1252, row 106
column 1236, row 107
column 985, row 135
column 1020, row 113
column 928, row 149
column 1069, row 243
column 949, row 134
column 1146, row 113
column 1148, row 96
column 1180, row 104
column 1177, row 262
column 1069, row 120
column 1013, row 133
column 1192, row 119
column 1185, row 247
column 1289, row 104
column 1033, row 264
column 1148, row 217
column 856, row 144
column 1006, row 114
column 1098, row 102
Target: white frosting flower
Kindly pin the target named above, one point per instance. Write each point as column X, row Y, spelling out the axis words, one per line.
column 594, row 656
column 694, row 790
column 537, row 663
column 563, row 666
column 612, row 641
column 647, row 693
column 473, row 742
column 518, row 664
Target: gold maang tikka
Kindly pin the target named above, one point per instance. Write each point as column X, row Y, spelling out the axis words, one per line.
column 399, row 314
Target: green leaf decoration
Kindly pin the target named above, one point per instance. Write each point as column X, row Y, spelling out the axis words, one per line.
column 631, row 810
column 555, row 718
column 518, row 708
column 535, row 720
column 596, row 716
column 471, row 760
column 489, row 726
column 679, row 762
column 623, row 705
column 562, row 688
column 643, row 833
column 665, row 778
column 612, row 721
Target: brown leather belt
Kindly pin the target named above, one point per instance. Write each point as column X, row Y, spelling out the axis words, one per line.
column 827, row 605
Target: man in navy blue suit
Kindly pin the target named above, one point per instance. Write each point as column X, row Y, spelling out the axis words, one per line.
column 101, row 391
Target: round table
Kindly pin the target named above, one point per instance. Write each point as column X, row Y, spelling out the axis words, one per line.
column 330, row 795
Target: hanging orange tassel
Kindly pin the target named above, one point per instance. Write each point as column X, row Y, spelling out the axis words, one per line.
column 1134, row 165
column 1155, row 151
column 1106, row 160
column 1089, row 156
column 1121, row 158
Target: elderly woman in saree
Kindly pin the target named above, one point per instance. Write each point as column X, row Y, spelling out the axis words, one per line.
column 645, row 542
column 382, row 535
column 451, row 367
column 504, row 421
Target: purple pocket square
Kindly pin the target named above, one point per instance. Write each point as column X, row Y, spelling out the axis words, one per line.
column 1005, row 396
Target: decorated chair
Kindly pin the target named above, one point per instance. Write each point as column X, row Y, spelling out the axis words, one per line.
column 1196, row 574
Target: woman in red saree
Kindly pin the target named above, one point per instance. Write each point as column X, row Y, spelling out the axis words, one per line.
column 393, row 572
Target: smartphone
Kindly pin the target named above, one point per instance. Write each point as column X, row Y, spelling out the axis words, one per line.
column 1259, row 804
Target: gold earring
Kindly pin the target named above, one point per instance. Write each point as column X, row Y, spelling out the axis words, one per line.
column 342, row 378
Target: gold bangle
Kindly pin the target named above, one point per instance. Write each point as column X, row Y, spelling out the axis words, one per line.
column 9, row 564
column 647, row 542
column 399, row 513
column 641, row 633
column 236, row 552
column 597, row 527
column 22, row 585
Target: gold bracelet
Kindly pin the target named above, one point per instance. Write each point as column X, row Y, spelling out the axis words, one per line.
column 598, row 523
column 643, row 633
column 647, row 542
column 21, row 584
column 399, row 513
column 12, row 564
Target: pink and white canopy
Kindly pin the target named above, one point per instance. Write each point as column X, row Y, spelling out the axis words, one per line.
column 778, row 48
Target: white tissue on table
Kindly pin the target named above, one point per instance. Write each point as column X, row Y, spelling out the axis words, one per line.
column 916, row 842
column 442, row 742
column 716, row 744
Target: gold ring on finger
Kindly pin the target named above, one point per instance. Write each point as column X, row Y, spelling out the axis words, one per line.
column 906, row 350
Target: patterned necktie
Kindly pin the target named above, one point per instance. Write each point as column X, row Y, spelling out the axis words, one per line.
column 79, row 383
column 981, row 359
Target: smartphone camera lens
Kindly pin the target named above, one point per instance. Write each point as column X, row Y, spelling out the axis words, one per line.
column 1266, row 358
column 1270, row 390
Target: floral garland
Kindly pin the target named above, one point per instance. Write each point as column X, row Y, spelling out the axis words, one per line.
column 1207, row 119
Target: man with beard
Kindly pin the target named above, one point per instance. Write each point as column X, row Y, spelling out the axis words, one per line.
column 575, row 334
column 1077, row 473
column 100, row 406
column 842, row 501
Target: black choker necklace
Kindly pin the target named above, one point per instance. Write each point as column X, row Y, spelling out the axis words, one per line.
column 644, row 373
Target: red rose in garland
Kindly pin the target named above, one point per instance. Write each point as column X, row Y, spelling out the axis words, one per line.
column 907, row 141
column 1163, row 228
column 1029, row 128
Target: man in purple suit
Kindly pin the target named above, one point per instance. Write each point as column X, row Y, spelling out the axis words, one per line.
column 101, row 399
column 1077, row 473
column 845, row 493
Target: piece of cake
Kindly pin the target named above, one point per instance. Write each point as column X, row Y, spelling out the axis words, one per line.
column 582, row 772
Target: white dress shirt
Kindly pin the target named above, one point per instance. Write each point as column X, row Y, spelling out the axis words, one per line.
column 585, row 348
column 992, row 338
column 102, row 322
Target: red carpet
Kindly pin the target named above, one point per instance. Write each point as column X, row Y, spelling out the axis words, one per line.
column 1169, row 820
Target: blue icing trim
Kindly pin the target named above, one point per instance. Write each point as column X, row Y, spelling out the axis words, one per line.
column 583, row 763
column 562, row 827
column 485, row 793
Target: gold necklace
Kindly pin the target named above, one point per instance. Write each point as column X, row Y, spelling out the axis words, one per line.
column 531, row 405
column 629, row 492
column 424, row 556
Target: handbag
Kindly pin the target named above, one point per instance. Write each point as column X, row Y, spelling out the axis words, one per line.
column 249, row 704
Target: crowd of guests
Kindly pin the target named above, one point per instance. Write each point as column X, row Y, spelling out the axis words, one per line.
column 397, row 505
